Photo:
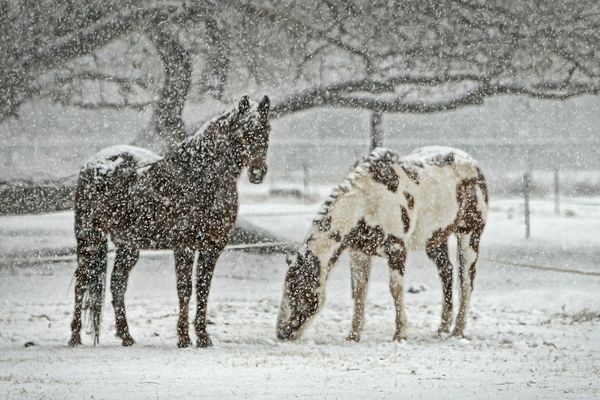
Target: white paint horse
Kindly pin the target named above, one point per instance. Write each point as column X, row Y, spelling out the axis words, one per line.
column 386, row 206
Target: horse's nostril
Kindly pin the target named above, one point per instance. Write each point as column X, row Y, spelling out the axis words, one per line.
column 284, row 333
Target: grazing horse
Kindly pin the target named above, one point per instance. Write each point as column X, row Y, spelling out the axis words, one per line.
column 186, row 201
column 386, row 206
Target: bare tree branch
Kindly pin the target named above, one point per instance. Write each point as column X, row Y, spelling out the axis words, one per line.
column 15, row 78
column 108, row 106
column 100, row 76
column 340, row 95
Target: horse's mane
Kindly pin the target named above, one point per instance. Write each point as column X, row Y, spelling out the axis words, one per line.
column 360, row 169
column 205, row 138
column 211, row 130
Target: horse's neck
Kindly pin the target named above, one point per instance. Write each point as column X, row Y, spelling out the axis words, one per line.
column 322, row 246
column 326, row 246
column 339, row 214
column 205, row 158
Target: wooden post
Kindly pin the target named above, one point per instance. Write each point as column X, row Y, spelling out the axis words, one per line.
column 376, row 131
column 526, row 178
column 9, row 151
column 556, row 192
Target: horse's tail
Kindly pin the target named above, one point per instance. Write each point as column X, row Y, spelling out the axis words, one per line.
column 92, row 251
column 482, row 185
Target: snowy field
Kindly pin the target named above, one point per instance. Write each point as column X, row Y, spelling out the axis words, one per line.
column 531, row 333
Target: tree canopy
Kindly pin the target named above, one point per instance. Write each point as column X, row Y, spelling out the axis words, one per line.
column 385, row 56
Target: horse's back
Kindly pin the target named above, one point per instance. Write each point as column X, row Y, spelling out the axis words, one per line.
column 441, row 156
column 105, row 181
column 441, row 171
column 110, row 158
column 111, row 168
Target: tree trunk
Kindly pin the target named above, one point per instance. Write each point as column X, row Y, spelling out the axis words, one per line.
column 167, row 127
column 214, row 75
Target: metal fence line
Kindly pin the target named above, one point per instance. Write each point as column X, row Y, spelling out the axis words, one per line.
column 541, row 267
column 283, row 247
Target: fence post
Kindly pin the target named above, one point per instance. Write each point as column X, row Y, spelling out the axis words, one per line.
column 306, row 181
column 526, row 178
column 376, row 129
column 556, row 192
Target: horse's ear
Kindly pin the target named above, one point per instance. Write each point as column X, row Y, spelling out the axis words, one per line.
column 264, row 105
column 244, row 105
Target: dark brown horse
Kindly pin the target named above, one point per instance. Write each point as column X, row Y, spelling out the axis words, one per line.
column 186, row 201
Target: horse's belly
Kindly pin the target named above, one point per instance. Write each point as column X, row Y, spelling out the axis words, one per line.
column 155, row 239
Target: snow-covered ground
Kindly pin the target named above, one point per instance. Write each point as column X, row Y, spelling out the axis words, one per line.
column 531, row 333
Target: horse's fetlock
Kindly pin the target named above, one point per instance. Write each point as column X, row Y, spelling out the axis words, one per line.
column 353, row 337
column 203, row 340
column 400, row 336
column 75, row 339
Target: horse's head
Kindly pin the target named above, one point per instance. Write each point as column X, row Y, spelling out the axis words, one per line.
column 250, row 136
column 301, row 295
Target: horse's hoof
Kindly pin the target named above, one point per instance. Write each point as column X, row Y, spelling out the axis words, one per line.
column 75, row 341
column 204, row 341
column 443, row 331
column 400, row 337
column 183, row 343
column 458, row 333
column 127, row 341
column 353, row 337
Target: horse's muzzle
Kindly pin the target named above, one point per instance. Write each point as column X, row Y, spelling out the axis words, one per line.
column 257, row 174
column 285, row 333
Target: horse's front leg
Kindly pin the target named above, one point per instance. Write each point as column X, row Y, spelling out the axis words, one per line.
column 184, row 264
column 124, row 262
column 396, row 255
column 207, row 259
column 360, row 267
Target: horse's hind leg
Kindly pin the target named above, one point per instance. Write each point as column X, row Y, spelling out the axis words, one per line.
column 87, row 248
column 124, row 262
column 468, row 253
column 439, row 255
column 184, row 264
column 396, row 256
column 360, row 266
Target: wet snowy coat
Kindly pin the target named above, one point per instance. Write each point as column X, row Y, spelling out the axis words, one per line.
column 186, row 201
column 386, row 206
